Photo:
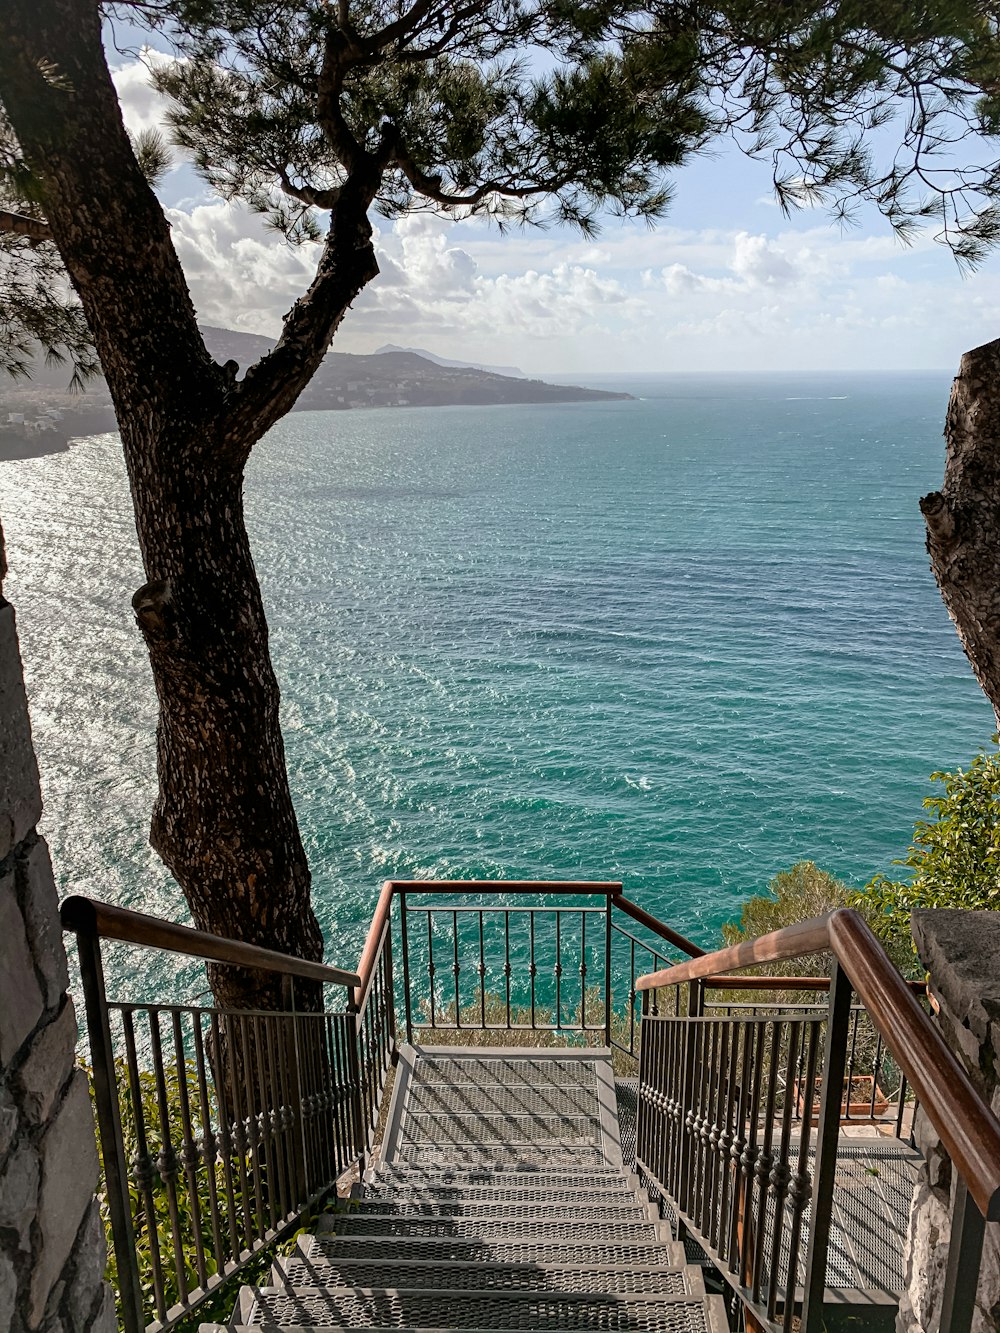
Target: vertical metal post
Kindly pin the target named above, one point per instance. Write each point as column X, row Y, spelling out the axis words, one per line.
column 965, row 1253
column 692, row 1041
column 389, row 998
column 607, row 971
column 827, row 1133
column 298, row 1137
column 110, row 1128
column 406, row 967
column 352, row 1034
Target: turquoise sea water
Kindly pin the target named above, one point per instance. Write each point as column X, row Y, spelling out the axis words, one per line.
column 683, row 641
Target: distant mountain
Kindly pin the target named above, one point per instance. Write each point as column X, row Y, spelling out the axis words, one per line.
column 512, row 372
column 389, row 378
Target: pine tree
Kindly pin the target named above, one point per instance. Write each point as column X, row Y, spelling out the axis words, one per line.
column 319, row 114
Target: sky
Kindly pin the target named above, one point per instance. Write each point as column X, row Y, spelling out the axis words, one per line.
column 725, row 282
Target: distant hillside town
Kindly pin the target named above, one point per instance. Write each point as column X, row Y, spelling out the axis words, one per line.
column 42, row 410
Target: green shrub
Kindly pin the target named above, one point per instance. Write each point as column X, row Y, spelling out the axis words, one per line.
column 954, row 857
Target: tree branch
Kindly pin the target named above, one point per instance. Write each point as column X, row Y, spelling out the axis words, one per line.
column 346, row 266
column 20, row 225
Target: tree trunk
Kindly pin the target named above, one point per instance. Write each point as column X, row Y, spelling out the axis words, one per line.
column 963, row 518
column 223, row 821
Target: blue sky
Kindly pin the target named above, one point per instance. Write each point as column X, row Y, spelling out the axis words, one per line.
column 724, row 282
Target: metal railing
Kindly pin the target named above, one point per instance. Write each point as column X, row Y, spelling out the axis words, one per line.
column 219, row 1129
column 718, row 1100
column 222, row 1129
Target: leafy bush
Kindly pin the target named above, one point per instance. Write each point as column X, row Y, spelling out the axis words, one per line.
column 954, row 857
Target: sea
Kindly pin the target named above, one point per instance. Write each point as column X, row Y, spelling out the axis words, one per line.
column 683, row 641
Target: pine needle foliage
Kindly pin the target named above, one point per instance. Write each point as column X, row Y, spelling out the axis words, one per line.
column 551, row 111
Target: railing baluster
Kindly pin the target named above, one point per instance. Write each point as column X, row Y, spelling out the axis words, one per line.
column 166, row 1160
column 608, row 987
column 252, row 1122
column 190, row 1153
column 226, row 1148
column 482, row 975
column 109, row 1123
column 404, row 937
column 726, row 1139
column 720, row 1065
column 631, row 999
column 558, row 968
column 506, row 962
column 531, row 963
column 456, row 967
column 583, row 972
column 827, row 1132
column 765, row 1158
column 855, row 1019
column 265, row 1138
column 798, row 1186
column 430, row 962
column 781, row 1175
column 748, row 1164
column 282, row 1117
column 210, row 1148
column 143, row 1166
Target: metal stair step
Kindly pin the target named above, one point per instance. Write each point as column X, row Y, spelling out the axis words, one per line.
column 449, row 1127
column 500, row 1099
column 505, row 1070
column 304, row 1269
column 578, row 1228
column 497, row 1192
column 524, row 1156
column 345, row 1307
column 543, row 1209
column 633, row 1251
column 505, row 1175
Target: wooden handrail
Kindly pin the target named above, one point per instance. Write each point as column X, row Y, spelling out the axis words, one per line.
column 787, row 983
column 90, row 916
column 968, row 1129
column 373, row 943
column 679, row 941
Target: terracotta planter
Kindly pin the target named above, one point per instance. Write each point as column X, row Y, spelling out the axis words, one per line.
column 858, row 1105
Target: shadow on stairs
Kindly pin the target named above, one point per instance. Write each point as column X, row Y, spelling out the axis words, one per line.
column 500, row 1201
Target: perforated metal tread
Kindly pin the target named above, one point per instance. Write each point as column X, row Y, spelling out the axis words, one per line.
column 304, row 1269
column 498, row 1192
column 507, row 1070
column 484, row 1127
column 516, row 1156
column 345, row 1307
column 499, row 1099
column 581, row 1206
column 507, row 1173
column 491, row 1249
column 579, row 1228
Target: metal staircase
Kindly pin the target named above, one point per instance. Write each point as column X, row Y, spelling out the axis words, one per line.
column 500, row 1201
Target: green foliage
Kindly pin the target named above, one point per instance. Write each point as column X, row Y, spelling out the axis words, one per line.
column 799, row 894
column 193, row 1207
column 954, row 858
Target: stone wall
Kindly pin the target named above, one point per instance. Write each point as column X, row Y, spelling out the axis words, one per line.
column 51, row 1241
column 961, row 951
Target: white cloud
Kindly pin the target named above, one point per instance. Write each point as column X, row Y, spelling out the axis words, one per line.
column 143, row 108
column 761, row 262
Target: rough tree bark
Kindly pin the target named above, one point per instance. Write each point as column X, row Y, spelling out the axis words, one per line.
column 224, row 822
column 963, row 518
